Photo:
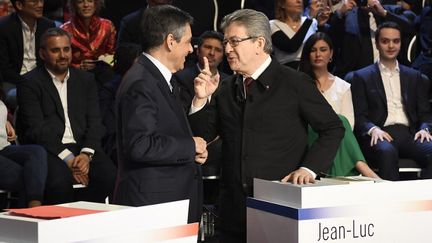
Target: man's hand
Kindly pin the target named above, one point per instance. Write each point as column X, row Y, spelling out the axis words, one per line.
column 423, row 135
column 205, row 84
column 78, row 167
column 82, row 162
column 346, row 6
column 375, row 7
column 300, row 176
column 201, row 157
column 200, row 150
column 377, row 133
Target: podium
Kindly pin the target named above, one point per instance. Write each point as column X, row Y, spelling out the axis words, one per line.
column 166, row 222
column 326, row 212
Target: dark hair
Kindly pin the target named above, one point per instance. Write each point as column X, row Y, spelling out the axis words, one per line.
column 388, row 24
column 210, row 34
column 159, row 21
column 124, row 57
column 51, row 33
column 99, row 4
column 305, row 62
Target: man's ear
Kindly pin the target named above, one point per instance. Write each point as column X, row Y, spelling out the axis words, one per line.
column 19, row 5
column 41, row 54
column 261, row 42
column 170, row 42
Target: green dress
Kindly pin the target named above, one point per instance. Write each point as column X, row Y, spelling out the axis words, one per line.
column 348, row 153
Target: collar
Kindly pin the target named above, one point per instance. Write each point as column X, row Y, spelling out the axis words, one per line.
column 383, row 68
column 261, row 68
column 54, row 78
column 25, row 26
column 166, row 73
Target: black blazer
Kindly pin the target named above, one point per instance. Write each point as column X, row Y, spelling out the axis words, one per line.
column 265, row 135
column 156, row 149
column 370, row 103
column 41, row 115
column 11, row 45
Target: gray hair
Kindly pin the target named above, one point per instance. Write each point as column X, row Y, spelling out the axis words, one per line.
column 256, row 24
column 53, row 32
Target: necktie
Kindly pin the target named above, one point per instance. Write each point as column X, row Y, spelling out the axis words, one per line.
column 247, row 84
column 174, row 87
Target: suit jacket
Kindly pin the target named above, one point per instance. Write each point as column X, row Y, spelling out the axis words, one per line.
column 12, row 47
column 41, row 116
column 265, row 135
column 370, row 103
column 156, row 149
column 356, row 46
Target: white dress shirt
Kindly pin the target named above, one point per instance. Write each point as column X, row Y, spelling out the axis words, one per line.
column 392, row 87
column 29, row 47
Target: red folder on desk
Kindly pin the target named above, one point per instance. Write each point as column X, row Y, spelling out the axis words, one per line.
column 51, row 212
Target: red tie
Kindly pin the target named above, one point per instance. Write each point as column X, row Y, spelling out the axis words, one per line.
column 247, row 83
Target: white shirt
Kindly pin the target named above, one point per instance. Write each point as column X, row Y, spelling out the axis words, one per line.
column 392, row 88
column 29, row 48
column 339, row 97
column 166, row 73
column 68, row 136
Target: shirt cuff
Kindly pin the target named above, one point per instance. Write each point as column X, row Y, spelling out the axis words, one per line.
column 310, row 171
column 194, row 109
column 65, row 155
column 370, row 130
column 87, row 150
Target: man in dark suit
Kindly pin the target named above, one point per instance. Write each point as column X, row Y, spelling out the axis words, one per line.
column 392, row 111
column 157, row 152
column 18, row 54
column 130, row 30
column 58, row 109
column 262, row 116
column 356, row 42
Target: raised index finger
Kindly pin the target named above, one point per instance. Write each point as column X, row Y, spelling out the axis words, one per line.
column 206, row 65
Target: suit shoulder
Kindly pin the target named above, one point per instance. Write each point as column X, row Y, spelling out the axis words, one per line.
column 132, row 17
column 46, row 22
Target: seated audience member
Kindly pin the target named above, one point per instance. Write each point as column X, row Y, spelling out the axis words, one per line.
column 391, row 107
column 290, row 29
column 58, row 109
column 23, row 168
column 93, row 38
column 424, row 61
column 126, row 55
column 317, row 54
column 5, row 7
column 129, row 30
column 209, row 46
column 19, row 41
column 357, row 42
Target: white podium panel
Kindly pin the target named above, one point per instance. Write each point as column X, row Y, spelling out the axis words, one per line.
column 166, row 222
column 374, row 212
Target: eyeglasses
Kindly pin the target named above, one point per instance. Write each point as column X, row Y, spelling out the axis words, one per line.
column 234, row 41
